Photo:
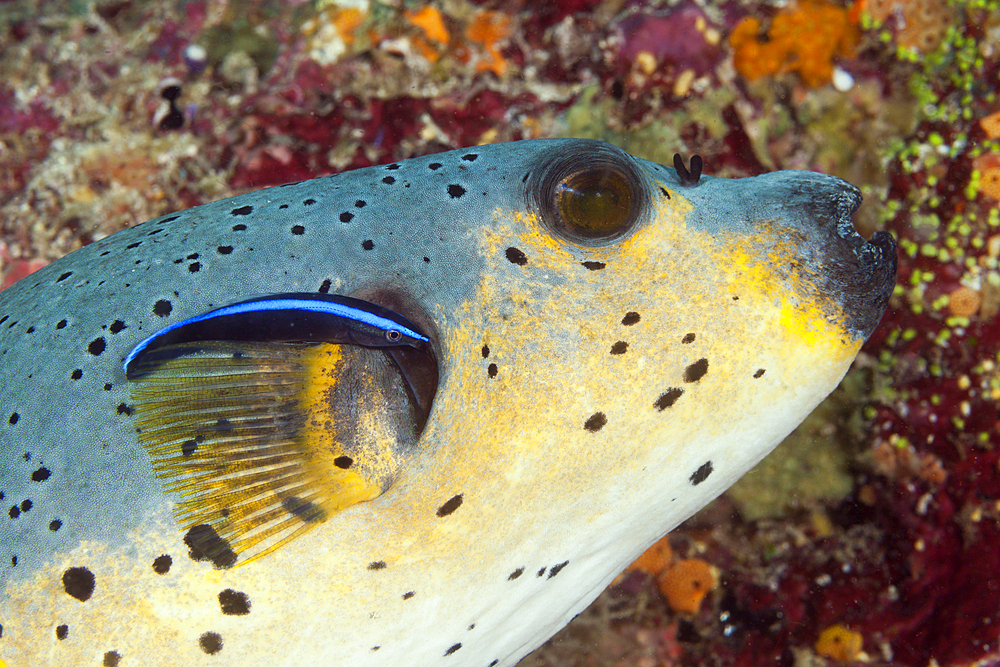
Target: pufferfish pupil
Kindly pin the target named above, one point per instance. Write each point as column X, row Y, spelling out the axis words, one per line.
column 596, row 202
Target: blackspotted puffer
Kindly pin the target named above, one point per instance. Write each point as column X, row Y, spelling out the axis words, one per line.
column 414, row 414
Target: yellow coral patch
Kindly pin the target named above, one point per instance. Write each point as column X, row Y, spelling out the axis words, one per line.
column 839, row 643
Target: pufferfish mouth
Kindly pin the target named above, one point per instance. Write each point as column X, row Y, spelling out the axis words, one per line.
column 854, row 275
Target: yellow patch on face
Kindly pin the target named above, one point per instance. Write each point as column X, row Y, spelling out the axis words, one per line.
column 598, row 391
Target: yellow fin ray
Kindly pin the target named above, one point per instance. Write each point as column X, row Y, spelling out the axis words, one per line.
column 263, row 442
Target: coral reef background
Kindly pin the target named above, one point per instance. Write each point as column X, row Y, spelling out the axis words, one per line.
column 872, row 535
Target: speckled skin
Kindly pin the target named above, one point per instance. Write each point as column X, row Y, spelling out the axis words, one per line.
column 565, row 437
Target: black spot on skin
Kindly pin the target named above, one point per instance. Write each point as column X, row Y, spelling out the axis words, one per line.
column 210, row 642
column 450, row 506
column 471, row 157
column 361, row 203
column 309, row 202
column 117, row 327
column 223, row 425
column 234, row 603
column 407, row 595
column 298, row 230
column 368, row 244
column 78, row 582
column 540, row 573
column 41, row 474
column 162, row 308
column 303, row 509
column 97, row 346
column 701, row 474
column 283, row 207
column 346, row 216
column 688, row 338
column 375, row 648
column 224, row 249
column 630, row 318
column 343, row 462
column 492, row 370
column 556, row 569
column 472, row 626
column 161, row 564
column 205, row 544
column 392, row 167
column 595, row 422
column 452, row 649
column 324, row 287
column 427, row 260
column 434, row 166
column 388, row 180
column 13, row 418
column 668, row 398
column 736, row 298
column 62, row 632
column 61, row 324
column 494, row 663
column 64, row 276
column 13, row 561
column 760, row 372
column 76, row 374
column 107, row 386
column 26, row 505
column 130, row 246
column 515, row 574
column 377, row 565
column 696, row 371
column 55, row 525
column 125, row 409
column 111, row 659
column 515, row 256
column 665, row 193
column 594, row 266
column 239, row 228
column 242, row 210
column 455, row 191
column 486, row 351
column 619, row 348
column 170, row 219
column 188, row 447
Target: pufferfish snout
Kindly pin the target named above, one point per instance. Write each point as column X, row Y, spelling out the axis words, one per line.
column 415, row 414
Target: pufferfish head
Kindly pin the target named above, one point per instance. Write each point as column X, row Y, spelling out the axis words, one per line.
column 616, row 309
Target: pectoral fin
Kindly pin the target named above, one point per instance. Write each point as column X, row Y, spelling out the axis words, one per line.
column 261, row 442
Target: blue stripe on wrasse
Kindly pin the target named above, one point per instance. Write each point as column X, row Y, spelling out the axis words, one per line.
column 291, row 317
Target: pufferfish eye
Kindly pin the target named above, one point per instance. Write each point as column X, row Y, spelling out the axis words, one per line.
column 591, row 195
column 595, row 202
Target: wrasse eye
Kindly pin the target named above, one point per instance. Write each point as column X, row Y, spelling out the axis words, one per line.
column 590, row 197
column 393, row 335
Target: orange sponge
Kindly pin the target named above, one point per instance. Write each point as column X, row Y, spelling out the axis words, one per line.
column 655, row 559
column 804, row 38
column 839, row 643
column 687, row 583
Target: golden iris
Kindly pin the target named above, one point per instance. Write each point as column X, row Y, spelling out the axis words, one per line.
column 595, row 202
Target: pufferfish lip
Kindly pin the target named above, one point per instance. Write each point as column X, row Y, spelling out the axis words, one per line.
column 855, row 274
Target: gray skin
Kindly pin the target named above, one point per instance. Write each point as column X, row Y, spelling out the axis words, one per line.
column 405, row 235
